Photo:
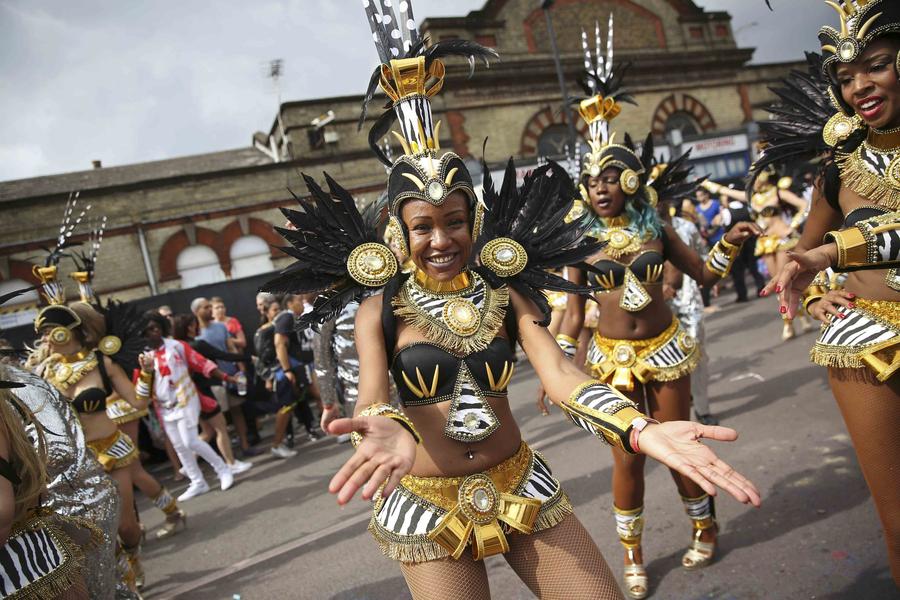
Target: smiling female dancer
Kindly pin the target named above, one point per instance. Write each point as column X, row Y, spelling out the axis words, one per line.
column 848, row 111
column 454, row 473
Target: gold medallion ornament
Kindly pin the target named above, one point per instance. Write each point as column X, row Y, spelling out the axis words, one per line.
column 479, row 500
column 504, row 256
column 839, row 128
column 372, row 264
column 461, row 316
column 630, row 182
column 394, row 238
column 109, row 345
column 620, row 238
column 60, row 336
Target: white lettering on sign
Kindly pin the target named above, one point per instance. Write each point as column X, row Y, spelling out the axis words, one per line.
column 715, row 146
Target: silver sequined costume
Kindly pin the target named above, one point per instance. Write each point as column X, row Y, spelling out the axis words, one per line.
column 337, row 363
column 78, row 486
column 688, row 307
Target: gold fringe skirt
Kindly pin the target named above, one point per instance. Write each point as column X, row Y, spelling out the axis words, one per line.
column 431, row 518
column 115, row 451
column 868, row 336
column 669, row 356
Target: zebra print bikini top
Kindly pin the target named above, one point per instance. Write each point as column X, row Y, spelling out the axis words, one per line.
column 646, row 266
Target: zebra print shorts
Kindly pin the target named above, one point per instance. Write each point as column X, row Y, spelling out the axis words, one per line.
column 114, row 452
column 402, row 520
column 37, row 561
column 669, row 356
column 868, row 336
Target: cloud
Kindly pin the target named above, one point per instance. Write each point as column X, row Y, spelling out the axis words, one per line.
column 141, row 80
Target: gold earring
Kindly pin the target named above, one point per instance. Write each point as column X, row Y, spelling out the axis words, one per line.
column 394, row 237
column 629, row 182
column 60, row 335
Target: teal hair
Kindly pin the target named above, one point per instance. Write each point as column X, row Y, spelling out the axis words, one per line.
column 643, row 217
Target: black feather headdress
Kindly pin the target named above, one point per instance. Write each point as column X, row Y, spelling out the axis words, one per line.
column 525, row 234
column 338, row 251
column 673, row 181
column 806, row 126
column 124, row 340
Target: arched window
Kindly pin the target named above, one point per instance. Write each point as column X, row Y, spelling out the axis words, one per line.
column 21, row 310
column 684, row 122
column 198, row 265
column 250, row 256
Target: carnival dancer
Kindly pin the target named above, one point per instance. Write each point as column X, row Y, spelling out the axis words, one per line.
column 778, row 212
column 169, row 364
column 847, row 109
column 446, row 332
column 85, row 355
column 124, row 413
column 38, row 558
column 639, row 347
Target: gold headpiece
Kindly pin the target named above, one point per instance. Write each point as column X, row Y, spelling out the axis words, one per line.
column 861, row 22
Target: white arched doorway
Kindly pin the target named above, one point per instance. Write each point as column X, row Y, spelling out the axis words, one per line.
column 250, row 255
column 198, row 265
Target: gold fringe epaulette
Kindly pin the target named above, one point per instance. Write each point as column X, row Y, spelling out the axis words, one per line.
column 856, row 177
column 63, row 578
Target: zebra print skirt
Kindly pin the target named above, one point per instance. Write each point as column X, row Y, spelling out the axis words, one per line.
column 868, row 336
column 403, row 520
column 38, row 561
column 669, row 356
column 114, row 452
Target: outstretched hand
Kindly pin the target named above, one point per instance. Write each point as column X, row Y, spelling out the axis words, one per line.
column 796, row 275
column 386, row 454
column 742, row 232
column 676, row 444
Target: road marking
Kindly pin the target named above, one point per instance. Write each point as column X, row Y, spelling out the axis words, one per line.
column 755, row 376
column 268, row 555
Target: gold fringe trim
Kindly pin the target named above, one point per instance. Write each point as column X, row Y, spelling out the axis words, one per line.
column 859, row 179
column 111, row 463
column 131, row 417
column 492, row 315
column 641, row 369
column 63, row 577
column 675, row 373
column 553, row 512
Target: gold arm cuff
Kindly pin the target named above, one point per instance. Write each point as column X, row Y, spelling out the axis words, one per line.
column 387, row 411
column 146, row 377
column 721, row 257
column 612, row 423
column 852, row 248
column 561, row 337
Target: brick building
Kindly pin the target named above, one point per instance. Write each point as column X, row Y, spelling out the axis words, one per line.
column 198, row 219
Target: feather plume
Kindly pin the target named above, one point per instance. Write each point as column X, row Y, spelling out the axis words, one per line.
column 321, row 238
column 794, row 135
column 127, row 323
column 534, row 216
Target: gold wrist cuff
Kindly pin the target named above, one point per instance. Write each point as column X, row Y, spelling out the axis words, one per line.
column 809, row 301
column 852, row 248
column 721, row 257
column 387, row 411
column 146, row 376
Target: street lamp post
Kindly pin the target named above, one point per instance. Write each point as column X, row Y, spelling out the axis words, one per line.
column 567, row 112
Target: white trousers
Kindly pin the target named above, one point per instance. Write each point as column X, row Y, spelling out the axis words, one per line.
column 187, row 445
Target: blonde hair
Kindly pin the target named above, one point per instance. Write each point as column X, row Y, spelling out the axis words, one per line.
column 93, row 324
column 27, row 462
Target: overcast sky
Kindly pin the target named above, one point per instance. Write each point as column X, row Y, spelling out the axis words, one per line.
column 137, row 80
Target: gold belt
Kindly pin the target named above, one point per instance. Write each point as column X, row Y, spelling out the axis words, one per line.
column 889, row 312
column 622, row 358
column 476, row 505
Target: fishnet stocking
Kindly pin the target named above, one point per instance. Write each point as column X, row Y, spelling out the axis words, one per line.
column 563, row 563
column 872, row 413
column 463, row 579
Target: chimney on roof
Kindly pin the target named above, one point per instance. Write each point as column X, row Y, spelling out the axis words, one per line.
column 97, row 164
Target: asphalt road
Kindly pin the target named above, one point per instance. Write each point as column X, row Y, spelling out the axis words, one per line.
column 279, row 534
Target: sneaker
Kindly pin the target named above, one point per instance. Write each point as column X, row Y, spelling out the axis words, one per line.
column 251, row 451
column 239, row 466
column 226, row 479
column 283, row 451
column 314, row 435
column 343, row 438
column 195, row 489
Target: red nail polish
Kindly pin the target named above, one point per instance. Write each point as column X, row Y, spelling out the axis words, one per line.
column 851, row 305
column 851, row 295
column 783, row 309
column 764, row 293
column 778, row 289
column 842, row 315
